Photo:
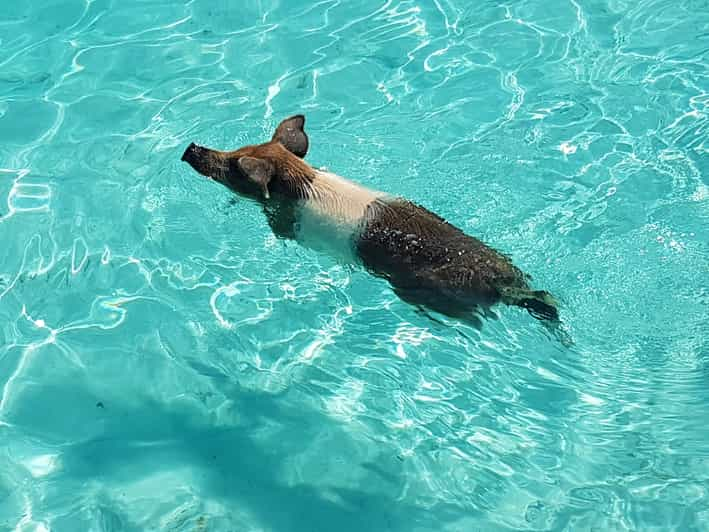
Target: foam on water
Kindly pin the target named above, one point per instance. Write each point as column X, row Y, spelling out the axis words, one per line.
column 167, row 364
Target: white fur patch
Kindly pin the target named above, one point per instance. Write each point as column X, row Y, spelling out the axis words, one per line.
column 328, row 219
column 337, row 198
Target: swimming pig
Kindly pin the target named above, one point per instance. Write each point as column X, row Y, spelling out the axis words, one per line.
column 428, row 261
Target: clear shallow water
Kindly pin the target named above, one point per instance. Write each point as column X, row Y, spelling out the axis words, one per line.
column 166, row 364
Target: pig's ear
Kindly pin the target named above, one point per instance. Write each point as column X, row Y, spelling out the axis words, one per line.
column 291, row 134
column 260, row 171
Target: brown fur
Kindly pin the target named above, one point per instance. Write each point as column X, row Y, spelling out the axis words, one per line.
column 291, row 175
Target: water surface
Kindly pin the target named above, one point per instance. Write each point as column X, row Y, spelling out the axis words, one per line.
column 167, row 364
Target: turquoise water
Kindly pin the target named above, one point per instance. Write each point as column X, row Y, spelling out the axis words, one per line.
column 167, row 364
